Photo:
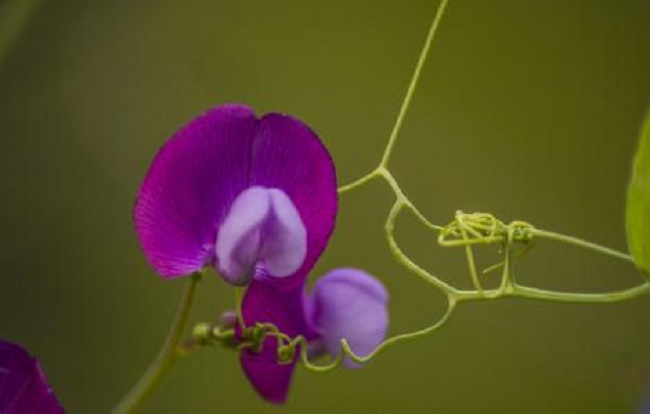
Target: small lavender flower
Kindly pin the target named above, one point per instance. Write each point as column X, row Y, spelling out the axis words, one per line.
column 23, row 387
column 350, row 304
column 237, row 192
column 344, row 304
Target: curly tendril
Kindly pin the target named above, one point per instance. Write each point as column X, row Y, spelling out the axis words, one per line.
column 466, row 230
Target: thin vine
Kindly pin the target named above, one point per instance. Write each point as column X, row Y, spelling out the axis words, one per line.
column 466, row 231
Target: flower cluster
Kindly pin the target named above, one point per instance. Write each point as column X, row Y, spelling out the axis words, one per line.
column 256, row 199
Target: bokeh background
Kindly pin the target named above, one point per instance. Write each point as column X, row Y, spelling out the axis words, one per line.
column 526, row 109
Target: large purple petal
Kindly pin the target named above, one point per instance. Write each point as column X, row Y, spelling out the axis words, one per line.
column 349, row 304
column 264, row 303
column 287, row 155
column 23, row 388
column 190, row 186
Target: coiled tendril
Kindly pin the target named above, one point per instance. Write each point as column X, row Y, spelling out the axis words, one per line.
column 466, row 230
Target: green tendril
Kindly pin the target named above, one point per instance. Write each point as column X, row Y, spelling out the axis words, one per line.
column 470, row 231
column 287, row 348
column 238, row 307
column 466, row 230
column 167, row 357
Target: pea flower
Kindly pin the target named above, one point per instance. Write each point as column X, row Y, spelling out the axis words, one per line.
column 239, row 193
column 344, row 304
column 23, row 387
column 256, row 199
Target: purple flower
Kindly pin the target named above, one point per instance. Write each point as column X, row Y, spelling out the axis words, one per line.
column 345, row 303
column 246, row 195
column 23, row 387
column 256, row 198
column 350, row 304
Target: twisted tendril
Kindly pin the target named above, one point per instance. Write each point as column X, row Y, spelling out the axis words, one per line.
column 466, row 230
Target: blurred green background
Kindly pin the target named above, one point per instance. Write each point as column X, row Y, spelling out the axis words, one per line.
column 527, row 109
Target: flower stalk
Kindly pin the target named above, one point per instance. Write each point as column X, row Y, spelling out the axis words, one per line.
column 167, row 357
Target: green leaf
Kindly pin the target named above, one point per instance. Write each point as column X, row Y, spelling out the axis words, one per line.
column 637, row 214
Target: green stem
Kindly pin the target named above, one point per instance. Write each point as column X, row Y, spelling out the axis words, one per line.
column 347, row 350
column 166, row 358
column 239, row 300
column 381, row 169
column 582, row 243
column 357, row 183
column 414, row 81
column 574, row 297
column 404, row 260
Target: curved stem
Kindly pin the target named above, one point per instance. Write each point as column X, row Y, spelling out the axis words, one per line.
column 544, row 234
column 405, row 104
column 358, row 183
column 166, row 358
column 608, row 297
column 403, row 259
column 414, row 81
column 347, row 350
column 239, row 301
column 401, row 197
column 471, row 264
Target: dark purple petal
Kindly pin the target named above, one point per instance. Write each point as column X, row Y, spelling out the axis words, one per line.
column 264, row 303
column 190, row 186
column 350, row 304
column 270, row 379
column 199, row 172
column 23, row 388
column 287, row 155
column 262, row 225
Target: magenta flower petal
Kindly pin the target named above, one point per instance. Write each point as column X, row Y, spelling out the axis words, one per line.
column 190, row 186
column 23, row 388
column 289, row 156
column 262, row 225
column 270, row 379
column 264, row 303
column 248, row 196
column 350, row 304
column 195, row 178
